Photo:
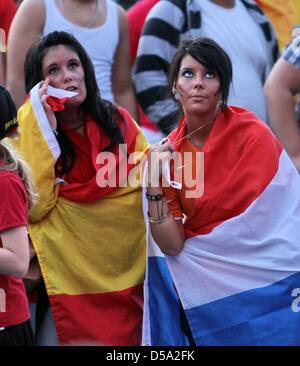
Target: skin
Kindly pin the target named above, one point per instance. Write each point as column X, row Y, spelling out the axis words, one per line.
column 24, row 32
column 198, row 92
column 281, row 85
column 62, row 69
column 14, row 255
column 1, row 68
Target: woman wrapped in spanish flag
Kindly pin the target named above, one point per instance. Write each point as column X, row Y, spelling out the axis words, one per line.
column 87, row 228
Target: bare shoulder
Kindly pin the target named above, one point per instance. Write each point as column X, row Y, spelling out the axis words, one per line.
column 122, row 15
column 29, row 8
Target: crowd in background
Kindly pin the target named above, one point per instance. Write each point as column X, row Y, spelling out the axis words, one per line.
column 131, row 45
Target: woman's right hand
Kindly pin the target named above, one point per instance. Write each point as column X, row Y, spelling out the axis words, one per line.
column 43, row 96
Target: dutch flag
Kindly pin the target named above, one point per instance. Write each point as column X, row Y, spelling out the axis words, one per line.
column 237, row 278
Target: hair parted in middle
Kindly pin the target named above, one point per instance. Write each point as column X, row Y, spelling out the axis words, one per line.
column 210, row 55
column 103, row 112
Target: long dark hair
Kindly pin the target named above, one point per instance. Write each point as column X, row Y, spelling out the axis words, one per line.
column 103, row 112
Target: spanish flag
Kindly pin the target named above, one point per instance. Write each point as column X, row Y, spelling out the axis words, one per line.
column 89, row 240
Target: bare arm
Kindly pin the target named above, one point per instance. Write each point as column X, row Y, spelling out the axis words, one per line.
column 2, row 71
column 14, row 256
column 168, row 233
column 121, row 80
column 24, row 31
column 282, row 84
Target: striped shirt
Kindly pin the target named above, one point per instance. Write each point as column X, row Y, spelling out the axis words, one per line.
column 292, row 53
column 167, row 24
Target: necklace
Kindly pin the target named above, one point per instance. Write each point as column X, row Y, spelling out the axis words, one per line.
column 191, row 133
column 93, row 17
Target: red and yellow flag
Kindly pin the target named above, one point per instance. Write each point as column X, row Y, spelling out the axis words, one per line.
column 92, row 254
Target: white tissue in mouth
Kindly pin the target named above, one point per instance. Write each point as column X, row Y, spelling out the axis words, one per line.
column 60, row 93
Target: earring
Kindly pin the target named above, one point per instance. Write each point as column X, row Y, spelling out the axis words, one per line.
column 175, row 93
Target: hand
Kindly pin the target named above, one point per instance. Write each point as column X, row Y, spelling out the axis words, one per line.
column 43, row 95
column 158, row 154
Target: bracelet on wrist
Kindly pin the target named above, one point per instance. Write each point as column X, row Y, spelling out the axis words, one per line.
column 154, row 197
column 158, row 220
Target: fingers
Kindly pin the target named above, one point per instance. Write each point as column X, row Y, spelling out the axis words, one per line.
column 44, row 96
column 44, row 102
column 164, row 147
column 43, row 93
column 44, row 87
column 159, row 155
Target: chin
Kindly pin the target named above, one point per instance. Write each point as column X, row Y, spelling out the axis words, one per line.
column 199, row 110
column 74, row 102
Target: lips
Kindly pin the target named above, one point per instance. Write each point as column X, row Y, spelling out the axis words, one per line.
column 71, row 88
column 198, row 97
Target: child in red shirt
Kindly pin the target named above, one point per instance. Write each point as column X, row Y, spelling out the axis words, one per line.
column 16, row 197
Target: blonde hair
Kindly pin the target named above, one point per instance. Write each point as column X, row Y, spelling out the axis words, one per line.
column 12, row 162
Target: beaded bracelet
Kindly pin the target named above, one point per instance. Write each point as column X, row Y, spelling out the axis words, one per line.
column 154, row 197
column 158, row 220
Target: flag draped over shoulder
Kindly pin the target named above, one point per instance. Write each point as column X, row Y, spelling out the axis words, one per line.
column 91, row 252
column 238, row 275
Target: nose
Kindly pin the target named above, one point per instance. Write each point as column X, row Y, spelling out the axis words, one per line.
column 199, row 83
column 67, row 75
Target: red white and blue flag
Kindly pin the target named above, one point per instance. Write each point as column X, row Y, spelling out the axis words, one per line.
column 238, row 275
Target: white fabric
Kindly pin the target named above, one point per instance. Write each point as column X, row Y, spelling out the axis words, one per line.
column 269, row 228
column 43, row 122
column 100, row 42
column 60, row 93
column 243, row 40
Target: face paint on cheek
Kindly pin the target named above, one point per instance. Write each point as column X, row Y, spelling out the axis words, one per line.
column 181, row 92
column 217, row 92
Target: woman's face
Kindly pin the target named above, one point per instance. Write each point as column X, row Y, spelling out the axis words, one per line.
column 198, row 87
column 64, row 70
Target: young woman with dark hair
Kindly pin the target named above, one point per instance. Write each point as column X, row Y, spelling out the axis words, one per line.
column 216, row 272
column 91, row 258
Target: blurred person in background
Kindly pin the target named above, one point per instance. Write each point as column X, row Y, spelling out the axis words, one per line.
column 136, row 18
column 99, row 25
column 7, row 12
column 230, row 23
column 17, row 196
column 281, row 87
column 282, row 16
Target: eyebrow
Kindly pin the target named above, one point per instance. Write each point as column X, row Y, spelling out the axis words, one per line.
column 56, row 64
column 186, row 68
